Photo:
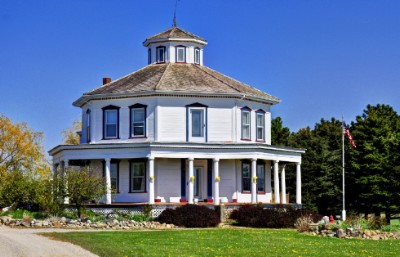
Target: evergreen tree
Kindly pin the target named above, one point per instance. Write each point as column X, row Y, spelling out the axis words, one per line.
column 375, row 166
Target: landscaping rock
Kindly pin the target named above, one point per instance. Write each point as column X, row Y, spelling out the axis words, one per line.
column 340, row 233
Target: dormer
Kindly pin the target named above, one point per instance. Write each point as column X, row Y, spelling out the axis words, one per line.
column 175, row 45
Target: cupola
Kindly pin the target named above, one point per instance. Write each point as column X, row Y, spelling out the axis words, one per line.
column 175, row 45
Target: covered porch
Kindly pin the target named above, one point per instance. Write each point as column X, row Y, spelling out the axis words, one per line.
column 187, row 173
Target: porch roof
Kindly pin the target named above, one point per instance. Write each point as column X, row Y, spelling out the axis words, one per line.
column 177, row 150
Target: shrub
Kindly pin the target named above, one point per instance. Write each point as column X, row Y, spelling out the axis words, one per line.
column 190, row 216
column 303, row 223
column 276, row 217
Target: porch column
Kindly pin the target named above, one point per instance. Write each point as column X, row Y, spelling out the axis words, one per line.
column 283, row 184
column 65, row 170
column 151, row 180
column 191, row 180
column 108, row 180
column 253, row 181
column 298, row 183
column 276, row 182
column 216, row 180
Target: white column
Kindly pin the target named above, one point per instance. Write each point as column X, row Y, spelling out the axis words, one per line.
column 283, row 183
column 216, row 180
column 191, row 180
column 108, row 180
column 276, row 182
column 253, row 181
column 65, row 170
column 298, row 183
column 151, row 180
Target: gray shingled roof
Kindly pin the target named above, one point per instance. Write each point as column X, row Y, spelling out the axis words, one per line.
column 175, row 32
column 173, row 77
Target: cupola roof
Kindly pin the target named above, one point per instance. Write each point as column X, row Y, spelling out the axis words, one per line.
column 174, row 34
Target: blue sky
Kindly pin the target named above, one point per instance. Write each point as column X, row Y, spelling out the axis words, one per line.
column 322, row 58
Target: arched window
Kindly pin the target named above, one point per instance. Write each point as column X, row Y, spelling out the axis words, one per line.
column 88, row 125
column 110, row 122
column 197, row 55
column 149, row 56
column 180, row 54
column 160, row 52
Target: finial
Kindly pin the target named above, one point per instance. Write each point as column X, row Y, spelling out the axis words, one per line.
column 176, row 5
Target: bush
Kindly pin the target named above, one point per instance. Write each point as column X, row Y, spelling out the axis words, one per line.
column 276, row 217
column 190, row 216
column 303, row 223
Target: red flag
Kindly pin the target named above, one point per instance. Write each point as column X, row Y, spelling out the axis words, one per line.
column 347, row 132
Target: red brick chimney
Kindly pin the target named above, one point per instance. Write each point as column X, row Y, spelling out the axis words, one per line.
column 106, row 80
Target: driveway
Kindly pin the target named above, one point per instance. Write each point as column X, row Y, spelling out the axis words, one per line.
column 16, row 242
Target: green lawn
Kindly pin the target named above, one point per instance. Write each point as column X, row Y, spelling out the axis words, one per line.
column 225, row 242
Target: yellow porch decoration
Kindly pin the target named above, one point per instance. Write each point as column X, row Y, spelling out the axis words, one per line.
column 151, row 178
column 255, row 179
column 217, row 178
column 192, row 179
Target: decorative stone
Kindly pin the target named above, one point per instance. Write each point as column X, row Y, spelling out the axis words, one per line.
column 340, row 233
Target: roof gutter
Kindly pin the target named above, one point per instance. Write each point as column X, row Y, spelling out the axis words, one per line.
column 87, row 98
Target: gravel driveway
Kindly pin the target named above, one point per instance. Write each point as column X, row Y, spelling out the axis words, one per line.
column 26, row 243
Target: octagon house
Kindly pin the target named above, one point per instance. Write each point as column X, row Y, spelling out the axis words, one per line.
column 178, row 131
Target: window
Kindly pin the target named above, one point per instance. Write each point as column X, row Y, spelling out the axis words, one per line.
column 197, row 181
column 138, row 120
column 114, row 175
column 197, row 55
column 246, row 119
column 160, row 54
column 196, row 122
column 88, row 123
column 138, row 177
column 260, row 125
column 246, row 177
column 149, row 56
column 260, row 178
column 110, row 122
column 180, row 54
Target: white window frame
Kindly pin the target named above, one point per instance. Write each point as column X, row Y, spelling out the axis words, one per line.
column 260, row 126
column 159, row 50
column 106, row 112
column 133, row 110
column 202, row 137
column 183, row 49
column 132, row 177
column 260, row 177
column 243, row 124
column 248, row 178
column 197, row 55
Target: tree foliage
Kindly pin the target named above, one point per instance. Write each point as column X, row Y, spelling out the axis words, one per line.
column 20, row 148
column 279, row 133
column 321, row 165
column 375, row 165
column 23, row 167
column 70, row 135
column 81, row 185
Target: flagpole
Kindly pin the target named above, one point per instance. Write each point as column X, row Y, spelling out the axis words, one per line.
column 344, row 209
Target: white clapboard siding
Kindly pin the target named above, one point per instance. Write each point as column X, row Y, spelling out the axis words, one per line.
column 171, row 124
column 168, row 178
column 227, row 185
column 220, row 124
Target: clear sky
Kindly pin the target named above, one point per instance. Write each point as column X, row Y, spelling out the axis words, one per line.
column 322, row 58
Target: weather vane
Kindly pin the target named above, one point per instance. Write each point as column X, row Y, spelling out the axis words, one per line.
column 176, row 5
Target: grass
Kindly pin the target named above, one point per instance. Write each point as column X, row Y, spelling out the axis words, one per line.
column 225, row 242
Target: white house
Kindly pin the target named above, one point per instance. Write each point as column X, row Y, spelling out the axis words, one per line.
column 177, row 131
